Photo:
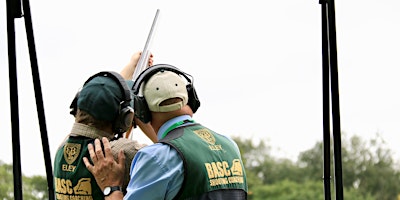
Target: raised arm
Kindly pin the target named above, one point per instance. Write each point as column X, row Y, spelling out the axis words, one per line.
column 129, row 69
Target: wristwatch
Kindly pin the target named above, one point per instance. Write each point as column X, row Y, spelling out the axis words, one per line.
column 110, row 189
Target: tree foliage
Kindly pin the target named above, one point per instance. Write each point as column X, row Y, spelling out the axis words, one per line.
column 33, row 188
column 368, row 171
column 6, row 180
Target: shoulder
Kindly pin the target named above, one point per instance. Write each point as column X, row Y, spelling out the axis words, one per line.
column 229, row 138
column 162, row 155
column 128, row 142
column 157, row 149
column 130, row 147
column 158, row 173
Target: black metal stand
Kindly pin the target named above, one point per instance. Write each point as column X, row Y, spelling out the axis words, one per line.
column 14, row 11
column 330, row 78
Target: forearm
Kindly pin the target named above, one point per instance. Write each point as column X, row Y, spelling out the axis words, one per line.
column 129, row 69
column 147, row 129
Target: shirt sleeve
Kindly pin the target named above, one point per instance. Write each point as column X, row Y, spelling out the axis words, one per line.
column 130, row 147
column 156, row 173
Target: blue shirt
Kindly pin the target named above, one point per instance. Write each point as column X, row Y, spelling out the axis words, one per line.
column 157, row 170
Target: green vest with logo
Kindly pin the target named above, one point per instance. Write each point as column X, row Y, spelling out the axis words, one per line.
column 212, row 164
column 72, row 180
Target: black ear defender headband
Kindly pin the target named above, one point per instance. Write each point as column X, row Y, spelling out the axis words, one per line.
column 140, row 105
column 125, row 116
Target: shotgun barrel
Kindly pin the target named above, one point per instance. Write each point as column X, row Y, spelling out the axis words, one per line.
column 144, row 57
column 143, row 61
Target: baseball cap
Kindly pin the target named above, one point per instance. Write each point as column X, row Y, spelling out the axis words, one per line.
column 162, row 86
column 101, row 98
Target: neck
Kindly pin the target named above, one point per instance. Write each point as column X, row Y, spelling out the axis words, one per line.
column 107, row 129
column 159, row 118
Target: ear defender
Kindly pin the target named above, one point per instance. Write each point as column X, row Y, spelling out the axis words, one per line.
column 125, row 113
column 141, row 108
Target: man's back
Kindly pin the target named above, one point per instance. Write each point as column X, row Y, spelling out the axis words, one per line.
column 212, row 163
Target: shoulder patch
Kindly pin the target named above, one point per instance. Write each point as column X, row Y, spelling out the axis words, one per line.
column 71, row 152
column 206, row 135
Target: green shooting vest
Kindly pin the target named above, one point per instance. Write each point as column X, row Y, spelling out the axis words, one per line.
column 212, row 164
column 72, row 180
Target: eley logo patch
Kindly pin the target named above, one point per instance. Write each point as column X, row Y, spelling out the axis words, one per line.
column 71, row 152
column 208, row 137
column 205, row 135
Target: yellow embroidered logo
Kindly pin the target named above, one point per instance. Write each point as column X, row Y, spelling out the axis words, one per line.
column 71, row 152
column 83, row 187
column 237, row 168
column 208, row 137
column 66, row 190
column 220, row 173
column 205, row 135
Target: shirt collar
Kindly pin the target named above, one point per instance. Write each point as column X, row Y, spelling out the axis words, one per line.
column 89, row 131
column 171, row 122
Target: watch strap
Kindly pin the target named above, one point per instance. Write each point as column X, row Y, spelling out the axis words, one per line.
column 113, row 189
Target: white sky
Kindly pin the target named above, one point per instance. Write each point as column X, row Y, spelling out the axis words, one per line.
column 257, row 66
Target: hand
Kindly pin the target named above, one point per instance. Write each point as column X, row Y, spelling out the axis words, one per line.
column 129, row 69
column 135, row 59
column 105, row 169
column 150, row 63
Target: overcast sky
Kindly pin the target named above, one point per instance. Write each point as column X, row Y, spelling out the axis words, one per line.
column 256, row 66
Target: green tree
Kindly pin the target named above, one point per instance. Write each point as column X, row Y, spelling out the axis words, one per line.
column 367, row 167
column 6, row 180
column 310, row 163
column 257, row 158
column 291, row 190
column 368, row 171
column 252, row 156
column 33, row 188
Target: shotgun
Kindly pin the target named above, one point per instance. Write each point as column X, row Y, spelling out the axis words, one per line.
column 143, row 61
column 144, row 57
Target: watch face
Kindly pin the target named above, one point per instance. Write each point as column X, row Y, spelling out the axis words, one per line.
column 107, row 190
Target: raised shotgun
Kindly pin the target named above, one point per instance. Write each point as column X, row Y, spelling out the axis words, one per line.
column 144, row 57
column 144, row 60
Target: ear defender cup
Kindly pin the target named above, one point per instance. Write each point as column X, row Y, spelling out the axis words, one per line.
column 193, row 102
column 125, row 112
column 140, row 105
column 74, row 105
column 124, row 120
column 141, row 109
